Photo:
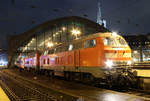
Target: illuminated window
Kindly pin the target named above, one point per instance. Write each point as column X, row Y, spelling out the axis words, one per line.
column 90, row 43
column 44, row 61
column 48, row 61
column 31, row 62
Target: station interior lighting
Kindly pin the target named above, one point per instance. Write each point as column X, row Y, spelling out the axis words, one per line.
column 135, row 52
column 114, row 33
column 63, row 28
column 54, row 35
column 49, row 38
column 33, row 38
column 76, row 32
column 50, row 44
column 31, row 41
column 60, row 31
column 3, row 60
column 3, row 63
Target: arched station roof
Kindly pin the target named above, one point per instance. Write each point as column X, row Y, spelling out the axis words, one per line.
column 23, row 39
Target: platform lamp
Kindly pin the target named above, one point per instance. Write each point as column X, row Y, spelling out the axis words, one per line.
column 50, row 44
column 75, row 32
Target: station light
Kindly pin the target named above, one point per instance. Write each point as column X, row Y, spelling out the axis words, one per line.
column 54, row 35
column 33, row 39
column 114, row 33
column 50, row 44
column 57, row 33
column 76, row 32
column 25, row 47
column 41, row 44
column 135, row 52
column 49, row 38
column 63, row 28
column 3, row 63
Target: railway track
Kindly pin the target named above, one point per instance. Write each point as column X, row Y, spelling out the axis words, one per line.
column 25, row 90
column 138, row 92
column 10, row 94
column 134, row 92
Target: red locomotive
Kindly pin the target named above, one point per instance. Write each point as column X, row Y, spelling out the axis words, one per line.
column 103, row 57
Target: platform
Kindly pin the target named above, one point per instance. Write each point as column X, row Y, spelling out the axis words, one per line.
column 3, row 96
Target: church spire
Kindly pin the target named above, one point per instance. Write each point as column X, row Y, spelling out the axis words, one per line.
column 99, row 15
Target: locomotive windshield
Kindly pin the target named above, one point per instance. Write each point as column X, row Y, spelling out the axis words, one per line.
column 121, row 41
column 114, row 41
column 109, row 41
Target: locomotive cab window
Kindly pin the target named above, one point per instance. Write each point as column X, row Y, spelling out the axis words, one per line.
column 90, row 43
column 109, row 41
column 121, row 41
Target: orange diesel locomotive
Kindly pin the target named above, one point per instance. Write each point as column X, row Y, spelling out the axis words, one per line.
column 99, row 57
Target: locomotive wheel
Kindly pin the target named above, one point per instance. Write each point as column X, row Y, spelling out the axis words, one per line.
column 67, row 76
column 50, row 74
column 125, row 82
column 134, row 81
column 109, row 82
column 122, row 82
column 20, row 69
column 47, row 73
column 42, row 72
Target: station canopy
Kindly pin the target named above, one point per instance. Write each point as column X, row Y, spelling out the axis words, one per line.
column 58, row 31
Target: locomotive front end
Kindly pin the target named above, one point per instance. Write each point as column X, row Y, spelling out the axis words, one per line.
column 117, row 61
column 117, row 52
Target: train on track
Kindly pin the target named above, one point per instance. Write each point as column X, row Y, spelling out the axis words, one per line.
column 101, row 58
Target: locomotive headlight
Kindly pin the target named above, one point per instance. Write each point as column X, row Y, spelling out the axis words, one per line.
column 109, row 63
column 129, row 62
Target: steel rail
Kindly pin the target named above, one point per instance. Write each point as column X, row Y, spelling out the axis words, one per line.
column 9, row 93
column 32, row 90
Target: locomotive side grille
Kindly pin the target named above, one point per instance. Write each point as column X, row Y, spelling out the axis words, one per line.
column 117, row 55
column 120, row 62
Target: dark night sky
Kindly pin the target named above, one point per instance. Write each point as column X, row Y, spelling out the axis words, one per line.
column 126, row 16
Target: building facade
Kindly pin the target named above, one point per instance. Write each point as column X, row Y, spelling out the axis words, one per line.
column 140, row 45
